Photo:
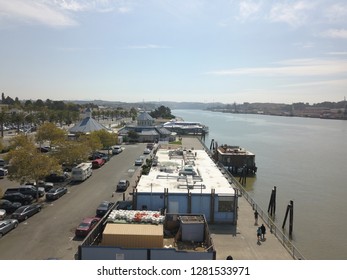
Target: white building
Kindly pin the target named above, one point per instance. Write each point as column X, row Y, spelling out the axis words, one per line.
column 204, row 191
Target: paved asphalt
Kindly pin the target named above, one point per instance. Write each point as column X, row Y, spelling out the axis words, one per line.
column 50, row 233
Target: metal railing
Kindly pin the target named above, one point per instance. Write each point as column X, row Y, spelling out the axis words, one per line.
column 282, row 238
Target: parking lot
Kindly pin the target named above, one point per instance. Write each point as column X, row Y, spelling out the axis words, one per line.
column 50, row 234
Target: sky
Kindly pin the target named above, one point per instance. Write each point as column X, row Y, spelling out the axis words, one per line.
column 174, row 50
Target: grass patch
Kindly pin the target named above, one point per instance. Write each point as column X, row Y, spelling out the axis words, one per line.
column 176, row 143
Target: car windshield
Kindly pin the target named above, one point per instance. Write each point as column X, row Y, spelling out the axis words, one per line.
column 83, row 225
column 104, row 204
column 19, row 210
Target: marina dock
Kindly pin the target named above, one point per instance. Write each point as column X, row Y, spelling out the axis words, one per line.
column 240, row 240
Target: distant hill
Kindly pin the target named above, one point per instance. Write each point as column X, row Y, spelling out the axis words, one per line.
column 151, row 105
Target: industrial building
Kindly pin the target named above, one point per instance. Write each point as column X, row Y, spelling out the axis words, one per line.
column 172, row 207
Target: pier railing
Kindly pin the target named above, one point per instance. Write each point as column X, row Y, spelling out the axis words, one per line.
column 282, row 238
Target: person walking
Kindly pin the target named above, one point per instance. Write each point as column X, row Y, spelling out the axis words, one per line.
column 263, row 231
column 256, row 217
column 259, row 234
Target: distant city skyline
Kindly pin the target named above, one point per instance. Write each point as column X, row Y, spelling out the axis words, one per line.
column 174, row 50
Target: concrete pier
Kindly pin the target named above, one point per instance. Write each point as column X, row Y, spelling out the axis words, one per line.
column 241, row 241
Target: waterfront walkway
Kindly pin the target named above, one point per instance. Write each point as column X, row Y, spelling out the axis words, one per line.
column 240, row 241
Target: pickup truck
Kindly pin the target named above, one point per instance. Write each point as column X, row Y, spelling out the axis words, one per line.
column 27, row 190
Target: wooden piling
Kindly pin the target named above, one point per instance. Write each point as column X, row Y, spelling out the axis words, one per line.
column 290, row 211
column 272, row 204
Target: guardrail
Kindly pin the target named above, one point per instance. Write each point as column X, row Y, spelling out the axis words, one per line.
column 282, row 238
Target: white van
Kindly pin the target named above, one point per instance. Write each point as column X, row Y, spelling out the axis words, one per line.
column 81, row 172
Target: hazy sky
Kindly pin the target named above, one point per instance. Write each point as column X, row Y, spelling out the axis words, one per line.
column 174, row 50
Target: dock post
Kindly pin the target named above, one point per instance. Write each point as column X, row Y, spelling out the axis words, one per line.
column 290, row 211
column 291, row 217
column 272, row 204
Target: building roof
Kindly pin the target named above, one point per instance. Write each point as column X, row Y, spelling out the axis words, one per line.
column 167, row 174
column 144, row 116
column 151, row 132
column 88, row 124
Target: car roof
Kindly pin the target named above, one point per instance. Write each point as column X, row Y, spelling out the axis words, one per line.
column 89, row 219
column 104, row 203
column 22, row 208
column 55, row 188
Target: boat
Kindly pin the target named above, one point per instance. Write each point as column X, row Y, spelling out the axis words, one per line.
column 237, row 160
column 184, row 128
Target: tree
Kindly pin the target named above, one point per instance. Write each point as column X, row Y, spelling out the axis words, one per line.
column 107, row 139
column 133, row 136
column 18, row 118
column 49, row 132
column 92, row 141
column 162, row 112
column 27, row 163
column 70, row 152
column 3, row 120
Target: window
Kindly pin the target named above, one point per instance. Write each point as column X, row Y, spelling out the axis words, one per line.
column 225, row 204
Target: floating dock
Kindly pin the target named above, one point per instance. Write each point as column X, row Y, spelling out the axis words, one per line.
column 236, row 159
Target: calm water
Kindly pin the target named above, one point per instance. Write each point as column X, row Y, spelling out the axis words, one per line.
column 306, row 159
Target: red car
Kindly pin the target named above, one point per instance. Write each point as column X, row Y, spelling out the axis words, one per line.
column 86, row 226
column 97, row 163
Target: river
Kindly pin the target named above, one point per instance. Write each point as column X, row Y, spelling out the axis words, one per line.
column 306, row 159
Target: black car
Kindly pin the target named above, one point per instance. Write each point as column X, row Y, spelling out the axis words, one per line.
column 97, row 155
column 122, row 185
column 9, row 206
column 56, row 178
column 27, row 190
column 103, row 208
column 24, row 212
column 18, row 197
column 55, row 193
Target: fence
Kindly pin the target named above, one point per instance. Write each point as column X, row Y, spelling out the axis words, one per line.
column 282, row 238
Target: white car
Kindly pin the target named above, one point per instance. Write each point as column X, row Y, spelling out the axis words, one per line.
column 138, row 162
column 116, row 150
column 3, row 172
column 147, row 151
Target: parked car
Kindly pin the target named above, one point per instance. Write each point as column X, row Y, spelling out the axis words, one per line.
column 9, row 206
column 147, row 151
column 28, row 190
column 86, row 226
column 24, row 212
column 18, row 197
column 97, row 163
column 57, row 178
column 55, row 193
column 46, row 185
column 2, row 214
column 98, row 155
column 7, row 225
column 138, row 162
column 3, row 172
column 116, row 150
column 3, row 163
column 122, row 185
column 103, row 208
